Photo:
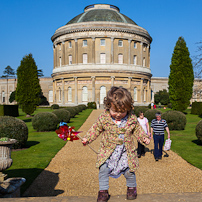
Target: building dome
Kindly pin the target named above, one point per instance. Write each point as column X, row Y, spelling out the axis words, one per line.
column 101, row 12
column 98, row 49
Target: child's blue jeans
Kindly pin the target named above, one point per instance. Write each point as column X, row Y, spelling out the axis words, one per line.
column 104, row 177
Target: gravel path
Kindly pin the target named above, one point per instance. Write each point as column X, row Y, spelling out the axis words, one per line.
column 72, row 172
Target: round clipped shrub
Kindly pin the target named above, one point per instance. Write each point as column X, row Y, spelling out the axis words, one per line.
column 198, row 131
column 91, row 105
column 170, row 105
column 77, row 109
column 45, row 121
column 63, row 115
column 150, row 114
column 15, row 129
column 55, row 106
column 83, row 106
column 137, row 109
column 176, row 120
column 72, row 111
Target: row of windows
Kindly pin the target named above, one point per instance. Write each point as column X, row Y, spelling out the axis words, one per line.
column 103, row 59
column 85, row 94
column 102, row 43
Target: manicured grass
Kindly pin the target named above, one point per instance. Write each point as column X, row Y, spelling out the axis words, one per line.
column 185, row 143
column 41, row 148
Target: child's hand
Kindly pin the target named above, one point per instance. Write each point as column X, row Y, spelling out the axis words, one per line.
column 146, row 140
column 84, row 141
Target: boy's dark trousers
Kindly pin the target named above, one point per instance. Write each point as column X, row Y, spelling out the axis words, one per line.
column 158, row 145
column 140, row 149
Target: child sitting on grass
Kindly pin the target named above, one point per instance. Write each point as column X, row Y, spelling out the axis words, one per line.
column 117, row 127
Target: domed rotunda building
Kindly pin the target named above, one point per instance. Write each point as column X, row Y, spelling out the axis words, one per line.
column 98, row 49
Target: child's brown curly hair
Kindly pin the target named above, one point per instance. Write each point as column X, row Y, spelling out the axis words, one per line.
column 120, row 98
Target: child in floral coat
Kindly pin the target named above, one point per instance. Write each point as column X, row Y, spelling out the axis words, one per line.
column 118, row 127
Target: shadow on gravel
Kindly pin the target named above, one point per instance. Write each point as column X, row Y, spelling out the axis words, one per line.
column 39, row 182
column 44, row 185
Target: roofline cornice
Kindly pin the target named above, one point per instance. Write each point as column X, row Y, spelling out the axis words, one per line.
column 111, row 27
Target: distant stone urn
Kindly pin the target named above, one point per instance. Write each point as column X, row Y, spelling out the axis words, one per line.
column 5, row 155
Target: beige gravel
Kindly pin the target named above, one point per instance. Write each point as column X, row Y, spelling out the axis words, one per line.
column 72, row 172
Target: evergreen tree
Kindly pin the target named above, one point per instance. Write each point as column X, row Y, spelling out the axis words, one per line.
column 28, row 87
column 181, row 77
column 162, row 96
column 8, row 72
column 12, row 97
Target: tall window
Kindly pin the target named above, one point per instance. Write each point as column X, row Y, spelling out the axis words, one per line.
column 102, row 58
column 135, row 59
column 102, row 42
column 120, row 43
column 3, row 97
column 144, row 91
column 60, row 61
column 60, row 94
column 120, row 58
column 144, row 62
column 70, row 59
column 69, row 94
column 50, row 94
column 84, row 42
column 135, row 44
column 84, row 94
column 135, row 94
column 144, row 47
column 85, row 58
column 102, row 94
column 70, row 44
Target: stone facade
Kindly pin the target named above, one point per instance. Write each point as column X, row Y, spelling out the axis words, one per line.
column 90, row 57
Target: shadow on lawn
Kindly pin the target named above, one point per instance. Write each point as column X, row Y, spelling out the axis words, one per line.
column 39, row 182
column 197, row 142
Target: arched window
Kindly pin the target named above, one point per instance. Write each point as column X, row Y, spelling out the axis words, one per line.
column 120, row 58
column 70, row 59
column 69, row 94
column 144, row 62
column 3, row 97
column 60, row 61
column 60, row 92
column 50, row 94
column 102, row 94
column 135, row 59
column 85, row 94
column 135, row 94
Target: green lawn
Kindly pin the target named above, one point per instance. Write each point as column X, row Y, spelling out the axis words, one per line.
column 185, row 143
column 41, row 148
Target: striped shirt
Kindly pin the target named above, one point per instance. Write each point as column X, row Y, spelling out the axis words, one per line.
column 158, row 126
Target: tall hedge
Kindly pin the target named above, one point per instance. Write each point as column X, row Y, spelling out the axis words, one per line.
column 181, row 77
column 9, row 110
column 28, row 87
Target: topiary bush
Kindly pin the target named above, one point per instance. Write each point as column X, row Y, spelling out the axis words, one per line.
column 72, row 111
column 77, row 109
column 82, row 106
column 196, row 108
column 176, row 120
column 92, row 105
column 150, row 114
column 15, row 129
column 198, row 131
column 55, row 106
column 170, row 105
column 62, row 114
column 137, row 109
column 45, row 121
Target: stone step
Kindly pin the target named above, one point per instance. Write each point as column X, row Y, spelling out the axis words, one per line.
column 172, row 197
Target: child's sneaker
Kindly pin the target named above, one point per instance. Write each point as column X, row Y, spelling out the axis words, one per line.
column 103, row 196
column 131, row 193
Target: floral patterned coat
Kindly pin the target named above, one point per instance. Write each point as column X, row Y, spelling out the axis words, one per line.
column 109, row 132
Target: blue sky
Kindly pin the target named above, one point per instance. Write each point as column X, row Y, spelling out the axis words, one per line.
column 26, row 26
